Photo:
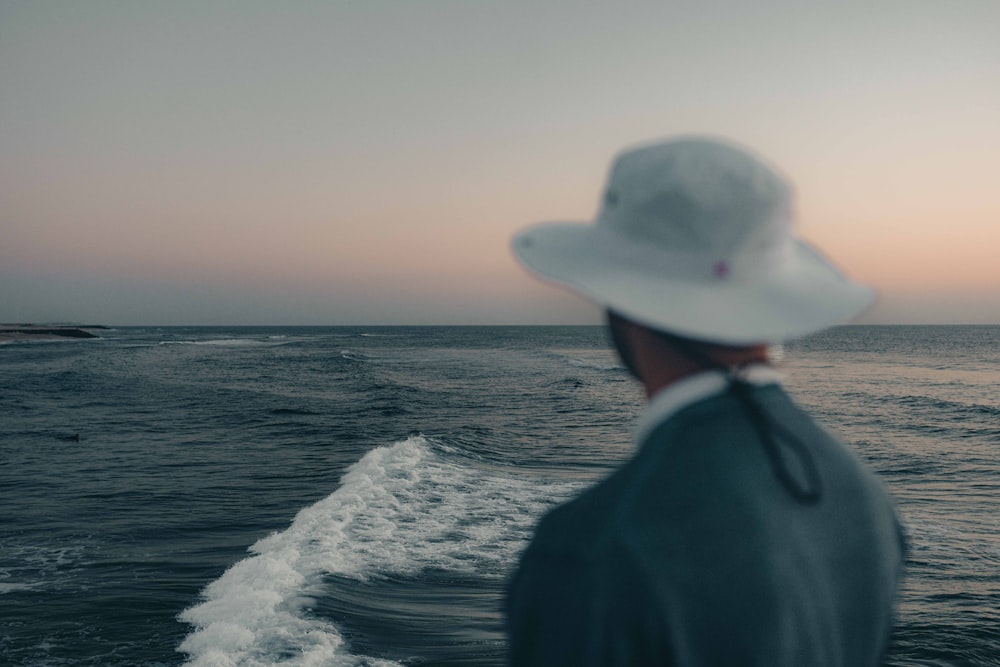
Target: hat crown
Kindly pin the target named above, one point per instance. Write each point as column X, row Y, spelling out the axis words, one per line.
column 694, row 237
column 698, row 196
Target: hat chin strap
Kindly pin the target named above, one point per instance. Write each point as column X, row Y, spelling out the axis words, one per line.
column 770, row 432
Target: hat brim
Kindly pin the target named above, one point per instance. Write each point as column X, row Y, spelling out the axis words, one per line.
column 803, row 295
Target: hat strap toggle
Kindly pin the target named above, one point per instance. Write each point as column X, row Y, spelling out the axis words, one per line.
column 768, row 430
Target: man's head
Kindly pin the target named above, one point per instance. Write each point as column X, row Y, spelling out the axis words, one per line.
column 694, row 238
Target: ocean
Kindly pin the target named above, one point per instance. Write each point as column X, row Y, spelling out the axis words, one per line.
column 359, row 495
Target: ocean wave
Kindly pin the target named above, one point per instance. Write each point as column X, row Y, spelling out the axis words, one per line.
column 954, row 408
column 400, row 510
column 567, row 382
column 34, row 567
column 226, row 342
column 11, row 588
column 351, row 355
column 293, row 411
column 595, row 365
column 603, row 360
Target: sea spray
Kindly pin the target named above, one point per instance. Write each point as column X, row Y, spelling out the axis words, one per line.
column 399, row 510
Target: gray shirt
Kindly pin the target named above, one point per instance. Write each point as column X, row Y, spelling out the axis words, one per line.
column 694, row 553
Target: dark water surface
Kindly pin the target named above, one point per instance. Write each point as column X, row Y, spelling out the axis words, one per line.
column 384, row 481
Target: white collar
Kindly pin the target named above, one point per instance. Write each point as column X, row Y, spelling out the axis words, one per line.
column 671, row 399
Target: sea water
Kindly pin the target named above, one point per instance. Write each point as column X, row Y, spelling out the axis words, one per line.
column 359, row 496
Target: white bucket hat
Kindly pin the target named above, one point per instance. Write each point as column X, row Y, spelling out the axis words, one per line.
column 694, row 237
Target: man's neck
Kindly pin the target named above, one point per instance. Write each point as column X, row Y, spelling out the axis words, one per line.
column 661, row 364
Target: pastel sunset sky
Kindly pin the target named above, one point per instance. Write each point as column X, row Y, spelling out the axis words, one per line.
column 366, row 162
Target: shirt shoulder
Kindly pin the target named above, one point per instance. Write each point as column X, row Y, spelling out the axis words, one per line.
column 580, row 597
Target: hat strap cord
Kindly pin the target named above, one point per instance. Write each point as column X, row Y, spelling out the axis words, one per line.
column 768, row 430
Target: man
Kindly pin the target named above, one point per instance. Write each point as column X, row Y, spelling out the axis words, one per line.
column 740, row 533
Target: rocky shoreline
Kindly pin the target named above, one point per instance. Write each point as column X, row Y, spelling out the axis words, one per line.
column 12, row 332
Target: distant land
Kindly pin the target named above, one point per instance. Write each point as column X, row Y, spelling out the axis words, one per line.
column 10, row 332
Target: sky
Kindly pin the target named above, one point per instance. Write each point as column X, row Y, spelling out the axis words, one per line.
column 366, row 162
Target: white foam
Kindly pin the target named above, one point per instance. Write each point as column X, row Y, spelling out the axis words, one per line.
column 399, row 510
column 11, row 588
column 272, row 341
column 354, row 356
column 33, row 567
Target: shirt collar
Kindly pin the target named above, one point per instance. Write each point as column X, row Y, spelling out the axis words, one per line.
column 671, row 399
